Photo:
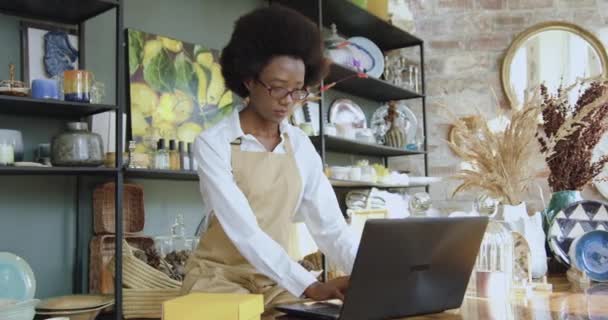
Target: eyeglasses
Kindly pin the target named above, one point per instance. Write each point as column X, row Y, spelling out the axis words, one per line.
column 280, row 93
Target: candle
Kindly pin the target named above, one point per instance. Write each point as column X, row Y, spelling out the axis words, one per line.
column 7, row 154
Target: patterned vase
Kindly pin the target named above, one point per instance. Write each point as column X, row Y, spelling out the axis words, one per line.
column 559, row 201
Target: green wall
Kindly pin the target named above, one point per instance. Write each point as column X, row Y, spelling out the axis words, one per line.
column 38, row 214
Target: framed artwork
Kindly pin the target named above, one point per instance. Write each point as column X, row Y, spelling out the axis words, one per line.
column 176, row 89
column 47, row 50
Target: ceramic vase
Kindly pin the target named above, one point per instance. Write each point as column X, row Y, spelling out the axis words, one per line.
column 559, row 201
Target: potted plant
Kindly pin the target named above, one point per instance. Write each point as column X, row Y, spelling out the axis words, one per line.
column 567, row 137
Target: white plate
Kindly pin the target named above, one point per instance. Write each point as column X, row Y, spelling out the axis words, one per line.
column 348, row 113
column 370, row 56
column 17, row 279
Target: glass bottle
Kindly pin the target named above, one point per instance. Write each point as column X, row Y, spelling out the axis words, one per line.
column 161, row 157
column 130, row 161
column 183, row 157
column 173, row 156
column 193, row 163
column 493, row 273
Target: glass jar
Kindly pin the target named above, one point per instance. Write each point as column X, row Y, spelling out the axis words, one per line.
column 77, row 147
column 492, row 276
column 176, row 242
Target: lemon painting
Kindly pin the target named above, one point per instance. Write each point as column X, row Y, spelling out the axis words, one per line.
column 176, row 89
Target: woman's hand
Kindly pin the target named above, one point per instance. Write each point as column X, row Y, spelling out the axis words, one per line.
column 332, row 289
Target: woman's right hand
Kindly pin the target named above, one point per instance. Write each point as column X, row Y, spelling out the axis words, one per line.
column 332, row 289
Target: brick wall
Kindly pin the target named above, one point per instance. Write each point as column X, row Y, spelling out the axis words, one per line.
column 465, row 41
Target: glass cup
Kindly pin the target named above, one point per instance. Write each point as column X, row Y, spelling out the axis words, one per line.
column 77, row 85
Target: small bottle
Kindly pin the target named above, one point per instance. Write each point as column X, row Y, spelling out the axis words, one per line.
column 130, row 162
column 173, row 156
column 161, row 157
column 193, row 163
column 183, row 156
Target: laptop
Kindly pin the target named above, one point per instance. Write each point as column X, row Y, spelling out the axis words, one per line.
column 405, row 267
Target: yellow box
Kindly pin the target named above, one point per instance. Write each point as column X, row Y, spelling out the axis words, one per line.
column 214, row 306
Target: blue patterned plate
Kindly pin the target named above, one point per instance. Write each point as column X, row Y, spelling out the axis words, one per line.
column 574, row 221
column 591, row 255
column 16, row 278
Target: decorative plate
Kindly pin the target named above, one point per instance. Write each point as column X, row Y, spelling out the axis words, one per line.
column 590, row 255
column 521, row 256
column 75, row 302
column 346, row 112
column 574, row 221
column 369, row 55
column 379, row 125
column 17, row 279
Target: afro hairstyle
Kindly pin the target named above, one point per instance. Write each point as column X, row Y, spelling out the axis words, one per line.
column 266, row 33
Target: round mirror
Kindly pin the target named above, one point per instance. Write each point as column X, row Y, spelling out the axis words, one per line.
column 553, row 53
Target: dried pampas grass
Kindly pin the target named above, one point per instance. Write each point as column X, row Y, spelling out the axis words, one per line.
column 502, row 162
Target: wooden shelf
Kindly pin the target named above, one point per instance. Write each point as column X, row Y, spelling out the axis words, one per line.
column 161, row 174
column 363, row 184
column 352, row 20
column 66, row 171
column 63, row 11
column 50, row 108
column 355, row 147
column 371, row 88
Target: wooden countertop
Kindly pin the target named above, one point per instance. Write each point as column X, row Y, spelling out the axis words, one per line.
column 563, row 303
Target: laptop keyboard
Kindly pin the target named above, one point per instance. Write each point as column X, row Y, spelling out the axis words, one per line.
column 329, row 310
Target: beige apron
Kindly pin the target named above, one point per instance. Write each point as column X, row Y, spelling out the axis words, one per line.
column 271, row 183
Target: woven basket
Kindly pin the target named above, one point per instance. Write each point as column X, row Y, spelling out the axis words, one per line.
column 145, row 288
column 101, row 279
column 104, row 202
column 146, row 303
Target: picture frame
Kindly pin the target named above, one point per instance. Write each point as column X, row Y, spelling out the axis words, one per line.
column 65, row 56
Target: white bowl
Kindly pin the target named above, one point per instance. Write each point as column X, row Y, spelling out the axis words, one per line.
column 24, row 310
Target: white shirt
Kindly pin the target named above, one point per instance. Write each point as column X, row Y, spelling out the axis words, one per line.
column 317, row 205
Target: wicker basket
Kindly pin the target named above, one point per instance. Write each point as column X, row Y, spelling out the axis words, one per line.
column 104, row 203
column 145, row 288
column 101, row 278
column 146, row 303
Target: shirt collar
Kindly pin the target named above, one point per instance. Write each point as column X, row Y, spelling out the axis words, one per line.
column 236, row 131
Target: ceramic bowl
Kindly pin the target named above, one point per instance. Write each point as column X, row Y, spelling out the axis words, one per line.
column 23, row 310
column 589, row 254
column 75, row 302
column 340, row 173
column 86, row 314
column 15, row 138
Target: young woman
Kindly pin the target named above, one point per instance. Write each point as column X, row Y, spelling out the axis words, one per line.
column 259, row 175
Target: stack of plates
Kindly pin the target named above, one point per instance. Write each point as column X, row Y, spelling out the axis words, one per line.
column 76, row 307
column 13, row 310
column 17, row 288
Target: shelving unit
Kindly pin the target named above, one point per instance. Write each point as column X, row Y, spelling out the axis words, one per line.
column 75, row 12
column 63, row 11
column 50, row 108
column 338, row 144
column 362, row 184
column 370, row 88
column 67, row 171
column 352, row 20
column 161, row 174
